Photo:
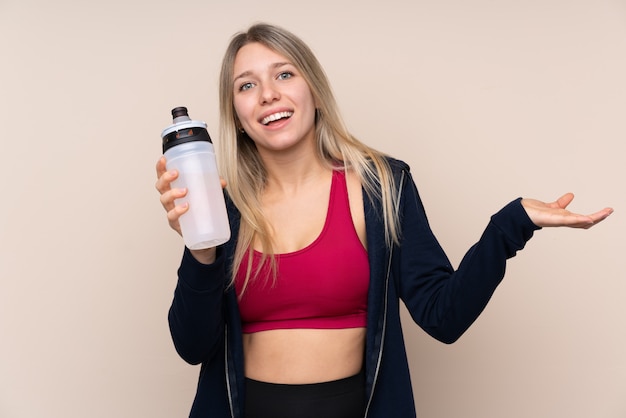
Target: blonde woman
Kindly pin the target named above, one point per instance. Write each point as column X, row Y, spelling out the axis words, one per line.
column 298, row 314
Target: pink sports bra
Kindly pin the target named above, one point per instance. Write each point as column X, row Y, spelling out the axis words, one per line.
column 323, row 285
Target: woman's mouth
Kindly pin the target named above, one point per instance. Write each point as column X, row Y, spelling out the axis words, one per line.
column 275, row 116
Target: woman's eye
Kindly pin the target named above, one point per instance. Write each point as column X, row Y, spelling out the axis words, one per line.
column 245, row 86
column 285, row 75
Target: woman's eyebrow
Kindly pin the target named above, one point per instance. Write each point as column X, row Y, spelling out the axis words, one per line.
column 242, row 75
column 272, row 66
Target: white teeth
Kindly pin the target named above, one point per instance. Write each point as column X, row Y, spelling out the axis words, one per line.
column 276, row 116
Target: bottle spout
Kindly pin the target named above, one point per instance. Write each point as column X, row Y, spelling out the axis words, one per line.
column 180, row 114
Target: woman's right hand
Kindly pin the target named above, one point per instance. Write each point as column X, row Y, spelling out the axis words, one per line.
column 168, row 194
column 174, row 212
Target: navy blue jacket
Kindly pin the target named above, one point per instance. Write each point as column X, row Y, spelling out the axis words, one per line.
column 206, row 328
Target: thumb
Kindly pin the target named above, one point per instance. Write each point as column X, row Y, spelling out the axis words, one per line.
column 565, row 200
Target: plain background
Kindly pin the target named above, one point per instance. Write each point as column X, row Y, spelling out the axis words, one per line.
column 486, row 100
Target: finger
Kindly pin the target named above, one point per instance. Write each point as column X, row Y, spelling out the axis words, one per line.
column 169, row 197
column 563, row 201
column 160, row 166
column 176, row 212
column 165, row 179
column 174, row 215
column 600, row 215
column 586, row 221
column 575, row 220
column 579, row 221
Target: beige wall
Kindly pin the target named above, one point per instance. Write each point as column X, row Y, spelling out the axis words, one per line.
column 486, row 100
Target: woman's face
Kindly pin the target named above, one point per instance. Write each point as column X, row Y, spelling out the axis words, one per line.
column 272, row 100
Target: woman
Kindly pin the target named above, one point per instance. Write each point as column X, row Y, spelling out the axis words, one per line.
column 298, row 315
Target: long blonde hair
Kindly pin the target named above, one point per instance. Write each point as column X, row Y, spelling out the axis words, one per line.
column 242, row 168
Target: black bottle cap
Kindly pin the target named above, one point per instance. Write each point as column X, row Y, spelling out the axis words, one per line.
column 179, row 111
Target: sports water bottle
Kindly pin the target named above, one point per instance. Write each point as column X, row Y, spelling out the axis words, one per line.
column 188, row 149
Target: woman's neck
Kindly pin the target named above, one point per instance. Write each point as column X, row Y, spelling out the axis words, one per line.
column 290, row 171
column 293, row 175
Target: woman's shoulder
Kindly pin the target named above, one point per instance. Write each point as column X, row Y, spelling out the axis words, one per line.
column 397, row 166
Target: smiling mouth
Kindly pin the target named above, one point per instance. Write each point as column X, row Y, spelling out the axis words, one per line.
column 276, row 116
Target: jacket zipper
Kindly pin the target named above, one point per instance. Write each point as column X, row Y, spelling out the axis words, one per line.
column 226, row 370
column 384, row 328
column 382, row 340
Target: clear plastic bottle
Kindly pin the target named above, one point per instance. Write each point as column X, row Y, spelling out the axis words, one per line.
column 188, row 149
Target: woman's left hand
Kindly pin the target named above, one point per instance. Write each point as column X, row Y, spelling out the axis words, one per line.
column 554, row 214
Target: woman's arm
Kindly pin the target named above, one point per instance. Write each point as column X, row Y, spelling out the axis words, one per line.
column 445, row 301
column 196, row 316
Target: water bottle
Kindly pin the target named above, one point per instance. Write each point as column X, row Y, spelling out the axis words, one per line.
column 188, row 149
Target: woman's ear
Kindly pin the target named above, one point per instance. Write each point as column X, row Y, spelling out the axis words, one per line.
column 238, row 126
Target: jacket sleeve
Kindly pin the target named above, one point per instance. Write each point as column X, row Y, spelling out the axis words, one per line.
column 196, row 316
column 441, row 300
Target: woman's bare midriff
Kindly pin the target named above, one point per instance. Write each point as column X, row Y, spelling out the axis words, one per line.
column 300, row 356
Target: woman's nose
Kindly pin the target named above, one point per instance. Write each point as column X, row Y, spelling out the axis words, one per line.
column 269, row 93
